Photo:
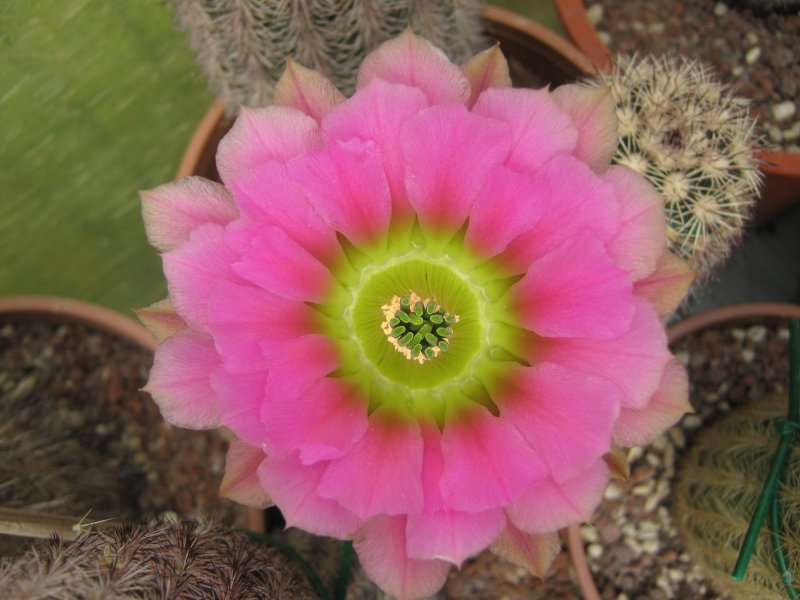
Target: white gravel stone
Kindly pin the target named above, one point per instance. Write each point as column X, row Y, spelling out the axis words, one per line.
column 757, row 333
column 635, row 454
column 775, row 134
column 737, row 71
column 605, row 37
column 720, row 9
column 783, row 110
column 747, row 355
column 752, row 55
column 613, row 491
column 656, row 28
column 595, row 14
column 792, row 133
column 651, row 546
column 751, row 39
column 683, row 357
column 692, row 421
column 678, row 437
column 594, row 551
column 589, row 533
column 644, row 489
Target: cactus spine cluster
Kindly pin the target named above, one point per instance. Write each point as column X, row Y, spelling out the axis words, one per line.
column 695, row 143
column 161, row 560
column 719, row 483
column 243, row 45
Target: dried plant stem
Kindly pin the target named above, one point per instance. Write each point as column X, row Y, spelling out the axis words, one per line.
column 42, row 525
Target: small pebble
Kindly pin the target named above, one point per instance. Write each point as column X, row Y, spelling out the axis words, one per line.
column 692, row 421
column 605, row 37
column 595, row 14
column 775, row 134
column 678, row 437
column 737, row 71
column 720, row 9
column 751, row 39
column 747, row 355
column 589, row 533
column 656, row 28
column 613, row 491
column 752, row 55
column 783, row 110
column 594, row 551
column 792, row 133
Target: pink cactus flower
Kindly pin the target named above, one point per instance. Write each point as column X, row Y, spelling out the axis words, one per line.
column 426, row 311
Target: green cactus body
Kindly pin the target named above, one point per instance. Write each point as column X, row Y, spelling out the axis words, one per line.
column 719, row 483
column 243, row 45
column 695, row 143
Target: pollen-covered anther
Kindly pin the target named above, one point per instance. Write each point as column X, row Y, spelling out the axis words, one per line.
column 417, row 328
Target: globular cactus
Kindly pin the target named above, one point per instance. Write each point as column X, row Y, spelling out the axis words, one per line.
column 695, row 142
column 719, row 483
column 243, row 45
column 161, row 560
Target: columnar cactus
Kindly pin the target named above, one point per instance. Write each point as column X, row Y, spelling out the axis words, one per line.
column 696, row 144
column 719, row 483
column 163, row 560
column 243, row 45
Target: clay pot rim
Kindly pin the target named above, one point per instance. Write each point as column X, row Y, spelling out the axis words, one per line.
column 731, row 315
column 57, row 308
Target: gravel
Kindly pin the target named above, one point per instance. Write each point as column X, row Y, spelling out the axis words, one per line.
column 755, row 54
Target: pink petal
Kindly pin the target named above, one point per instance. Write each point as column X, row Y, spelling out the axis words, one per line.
column 306, row 90
column 323, row 422
column 594, row 116
column 160, row 319
column 194, row 269
column 487, row 69
column 534, row 552
column 376, row 113
column 667, row 286
column 179, row 380
column 241, row 483
column 509, row 204
column 293, row 485
column 381, row 548
column 297, row 363
column 382, row 473
column 241, row 396
column 640, row 355
column 637, row 427
column 278, row 264
column 575, row 291
column 452, row 535
column 172, row 211
column 348, row 186
column 579, row 202
column 567, row 416
column 539, row 129
column 261, row 135
column 413, row 61
column 243, row 317
column 487, row 462
column 268, row 196
column 548, row 505
column 642, row 237
column 449, row 154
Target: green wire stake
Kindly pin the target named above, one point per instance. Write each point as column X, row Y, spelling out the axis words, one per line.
column 344, row 570
column 768, row 501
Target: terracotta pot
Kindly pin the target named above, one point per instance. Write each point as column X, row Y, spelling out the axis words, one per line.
column 529, row 47
column 67, row 310
column 781, row 169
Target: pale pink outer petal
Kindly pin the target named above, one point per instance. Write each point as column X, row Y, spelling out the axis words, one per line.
column 280, row 265
column 268, row 196
column 194, row 269
column 534, row 552
column 640, row 356
column 667, row 286
column 509, row 204
column 172, row 211
column 440, row 532
column 306, row 90
column 539, row 129
column 487, row 462
column 348, row 186
column 549, row 400
column 593, row 113
column 241, row 397
column 297, row 363
column 415, row 62
column 260, row 135
column 449, row 154
column 381, row 548
column 293, row 486
column 160, row 319
column 487, row 69
column 382, row 474
column 377, row 113
column 642, row 237
column 241, row 483
column 242, row 317
column 323, row 422
column 575, row 291
column 579, row 202
column 548, row 505
column 636, row 427
column 179, row 380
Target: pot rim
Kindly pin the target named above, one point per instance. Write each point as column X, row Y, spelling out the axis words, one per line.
column 732, row 314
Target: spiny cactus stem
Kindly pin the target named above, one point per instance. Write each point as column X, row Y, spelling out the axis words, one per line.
column 768, row 500
column 37, row 524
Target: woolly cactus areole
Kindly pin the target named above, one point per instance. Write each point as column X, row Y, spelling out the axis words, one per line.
column 427, row 311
